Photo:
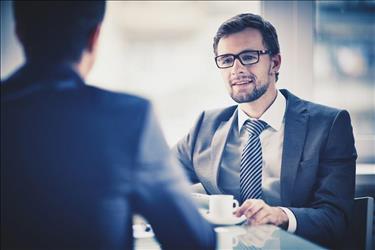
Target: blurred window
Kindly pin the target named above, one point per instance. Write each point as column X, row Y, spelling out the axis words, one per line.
column 344, row 66
column 163, row 51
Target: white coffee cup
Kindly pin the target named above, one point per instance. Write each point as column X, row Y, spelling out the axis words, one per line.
column 225, row 239
column 222, row 206
column 202, row 200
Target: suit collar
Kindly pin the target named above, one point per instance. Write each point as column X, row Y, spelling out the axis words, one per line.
column 219, row 141
column 296, row 119
column 273, row 116
column 33, row 77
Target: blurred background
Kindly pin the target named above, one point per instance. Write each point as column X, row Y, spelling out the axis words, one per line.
column 163, row 50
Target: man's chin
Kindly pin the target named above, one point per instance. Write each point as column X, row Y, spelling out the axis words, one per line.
column 246, row 98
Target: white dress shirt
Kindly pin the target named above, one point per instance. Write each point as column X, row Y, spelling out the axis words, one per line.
column 271, row 139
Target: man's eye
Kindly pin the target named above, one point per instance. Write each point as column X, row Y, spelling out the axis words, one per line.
column 227, row 60
column 248, row 57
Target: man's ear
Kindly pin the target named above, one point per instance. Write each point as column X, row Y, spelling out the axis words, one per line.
column 93, row 38
column 276, row 62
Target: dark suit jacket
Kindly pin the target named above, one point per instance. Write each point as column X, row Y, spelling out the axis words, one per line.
column 77, row 162
column 317, row 170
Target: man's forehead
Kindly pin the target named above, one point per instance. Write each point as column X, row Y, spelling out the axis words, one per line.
column 248, row 38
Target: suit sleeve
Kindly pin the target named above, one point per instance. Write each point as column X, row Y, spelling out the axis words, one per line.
column 162, row 195
column 183, row 151
column 326, row 219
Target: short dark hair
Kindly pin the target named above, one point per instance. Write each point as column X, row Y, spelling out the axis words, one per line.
column 56, row 30
column 248, row 20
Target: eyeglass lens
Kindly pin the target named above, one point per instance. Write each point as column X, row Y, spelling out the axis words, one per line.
column 246, row 58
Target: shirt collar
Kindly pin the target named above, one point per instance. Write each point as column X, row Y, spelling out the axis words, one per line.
column 273, row 116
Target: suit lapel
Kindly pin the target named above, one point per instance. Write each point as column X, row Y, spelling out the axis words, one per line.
column 219, row 141
column 296, row 118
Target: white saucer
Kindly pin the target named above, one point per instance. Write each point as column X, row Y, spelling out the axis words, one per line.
column 142, row 231
column 233, row 220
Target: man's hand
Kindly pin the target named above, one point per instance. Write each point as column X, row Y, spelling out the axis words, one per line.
column 258, row 212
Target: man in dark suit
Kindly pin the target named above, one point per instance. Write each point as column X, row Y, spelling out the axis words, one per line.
column 290, row 162
column 77, row 161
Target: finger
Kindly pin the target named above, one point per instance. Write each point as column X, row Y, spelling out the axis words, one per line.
column 265, row 220
column 245, row 206
column 272, row 216
column 255, row 208
column 258, row 216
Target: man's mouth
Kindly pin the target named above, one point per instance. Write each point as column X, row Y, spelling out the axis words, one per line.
column 242, row 82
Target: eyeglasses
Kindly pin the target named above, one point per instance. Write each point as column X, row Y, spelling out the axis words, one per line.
column 246, row 57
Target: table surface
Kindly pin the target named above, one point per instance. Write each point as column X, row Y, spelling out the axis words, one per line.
column 245, row 237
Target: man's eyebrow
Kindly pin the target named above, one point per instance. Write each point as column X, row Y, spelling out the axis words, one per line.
column 245, row 50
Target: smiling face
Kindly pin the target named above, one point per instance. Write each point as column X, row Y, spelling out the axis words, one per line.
column 248, row 83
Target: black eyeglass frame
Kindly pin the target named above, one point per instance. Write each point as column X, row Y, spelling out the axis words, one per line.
column 259, row 52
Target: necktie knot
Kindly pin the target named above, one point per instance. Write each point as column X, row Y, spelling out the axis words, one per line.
column 255, row 127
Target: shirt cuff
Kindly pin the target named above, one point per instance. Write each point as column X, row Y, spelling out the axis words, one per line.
column 292, row 225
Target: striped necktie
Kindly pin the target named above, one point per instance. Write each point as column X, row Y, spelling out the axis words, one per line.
column 251, row 162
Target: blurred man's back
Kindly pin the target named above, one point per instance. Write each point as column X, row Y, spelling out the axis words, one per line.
column 77, row 161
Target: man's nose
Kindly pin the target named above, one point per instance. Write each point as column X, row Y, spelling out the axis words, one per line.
column 237, row 67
